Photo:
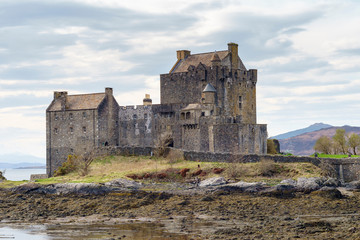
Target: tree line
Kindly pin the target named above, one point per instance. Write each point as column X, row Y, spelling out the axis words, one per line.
column 340, row 143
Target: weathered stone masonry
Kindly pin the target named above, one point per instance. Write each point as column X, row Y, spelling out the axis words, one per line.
column 208, row 104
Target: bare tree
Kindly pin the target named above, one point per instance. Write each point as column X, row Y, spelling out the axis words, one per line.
column 84, row 161
column 340, row 139
column 162, row 143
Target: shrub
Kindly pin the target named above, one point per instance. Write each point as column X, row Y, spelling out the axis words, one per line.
column 81, row 164
column 165, row 140
column 267, row 168
column 67, row 167
column 271, row 147
column 236, row 170
column 2, row 178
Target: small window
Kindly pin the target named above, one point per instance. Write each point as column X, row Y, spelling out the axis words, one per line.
column 203, row 114
column 188, row 115
column 182, row 116
column 56, row 131
column 134, row 116
column 84, row 129
column 84, row 114
column 71, row 116
column 240, row 102
column 145, row 115
column 71, row 130
column 56, row 117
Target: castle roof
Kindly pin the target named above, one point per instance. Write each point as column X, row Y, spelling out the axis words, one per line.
column 209, row 88
column 78, row 102
column 204, row 58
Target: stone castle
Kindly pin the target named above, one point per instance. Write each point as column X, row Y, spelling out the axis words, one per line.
column 208, row 104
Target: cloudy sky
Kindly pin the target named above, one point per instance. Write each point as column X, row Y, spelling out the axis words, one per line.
column 307, row 54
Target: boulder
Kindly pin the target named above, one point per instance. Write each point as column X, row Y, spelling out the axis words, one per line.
column 308, row 185
column 328, row 192
column 288, row 182
column 241, row 186
column 354, row 185
column 332, row 182
column 78, row 188
column 280, row 191
column 123, row 183
column 216, row 181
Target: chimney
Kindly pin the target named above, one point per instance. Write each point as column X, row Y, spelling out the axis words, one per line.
column 63, row 98
column 108, row 91
column 147, row 100
column 233, row 50
column 182, row 54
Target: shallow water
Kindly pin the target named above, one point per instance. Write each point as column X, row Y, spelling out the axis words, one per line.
column 22, row 174
column 139, row 231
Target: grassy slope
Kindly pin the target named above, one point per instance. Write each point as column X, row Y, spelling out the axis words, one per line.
column 113, row 167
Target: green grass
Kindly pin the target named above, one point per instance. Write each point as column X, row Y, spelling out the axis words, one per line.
column 322, row 155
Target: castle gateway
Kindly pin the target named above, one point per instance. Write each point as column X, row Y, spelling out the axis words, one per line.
column 208, row 104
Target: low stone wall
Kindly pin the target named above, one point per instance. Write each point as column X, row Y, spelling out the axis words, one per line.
column 125, row 151
column 34, row 177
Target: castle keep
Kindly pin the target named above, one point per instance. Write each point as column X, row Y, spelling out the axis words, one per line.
column 208, row 104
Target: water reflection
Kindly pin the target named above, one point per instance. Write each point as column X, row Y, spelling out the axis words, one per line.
column 138, row 231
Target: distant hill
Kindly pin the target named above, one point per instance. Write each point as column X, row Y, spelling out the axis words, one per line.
column 20, row 158
column 24, row 165
column 311, row 128
column 303, row 144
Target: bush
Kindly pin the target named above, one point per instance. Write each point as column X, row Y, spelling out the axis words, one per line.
column 67, row 167
column 2, row 178
column 267, row 168
column 81, row 164
column 236, row 170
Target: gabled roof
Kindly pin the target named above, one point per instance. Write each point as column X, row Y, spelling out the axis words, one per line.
column 195, row 59
column 78, row 102
column 209, row 88
column 204, row 58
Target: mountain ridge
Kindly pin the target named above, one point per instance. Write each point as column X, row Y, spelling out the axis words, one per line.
column 311, row 128
column 303, row 144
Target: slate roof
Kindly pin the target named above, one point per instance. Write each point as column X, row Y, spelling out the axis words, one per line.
column 195, row 59
column 209, row 88
column 79, row 102
column 204, row 58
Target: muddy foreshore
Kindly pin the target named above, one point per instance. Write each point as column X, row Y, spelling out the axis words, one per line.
column 213, row 212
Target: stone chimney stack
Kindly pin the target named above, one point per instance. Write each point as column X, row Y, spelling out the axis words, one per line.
column 111, row 122
column 234, row 57
column 63, row 98
column 182, row 54
column 147, row 101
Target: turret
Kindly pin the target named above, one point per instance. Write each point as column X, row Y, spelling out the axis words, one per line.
column 208, row 94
